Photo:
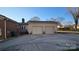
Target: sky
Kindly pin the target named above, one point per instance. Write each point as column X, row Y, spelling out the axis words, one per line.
column 44, row 13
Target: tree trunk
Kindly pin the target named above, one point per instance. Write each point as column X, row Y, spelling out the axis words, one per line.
column 76, row 23
column 75, row 27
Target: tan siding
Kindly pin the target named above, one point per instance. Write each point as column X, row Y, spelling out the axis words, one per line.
column 41, row 25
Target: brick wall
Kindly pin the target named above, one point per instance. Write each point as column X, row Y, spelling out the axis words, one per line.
column 11, row 26
column 2, row 28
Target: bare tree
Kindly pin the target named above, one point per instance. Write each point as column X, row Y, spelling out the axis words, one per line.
column 75, row 13
column 58, row 19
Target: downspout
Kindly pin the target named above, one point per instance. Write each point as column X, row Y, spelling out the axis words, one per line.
column 5, row 36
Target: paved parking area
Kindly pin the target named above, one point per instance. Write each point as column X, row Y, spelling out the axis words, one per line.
column 55, row 42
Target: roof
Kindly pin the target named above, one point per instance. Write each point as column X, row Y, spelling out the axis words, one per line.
column 43, row 22
column 8, row 19
column 23, row 23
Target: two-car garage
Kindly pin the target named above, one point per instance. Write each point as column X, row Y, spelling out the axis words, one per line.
column 42, row 27
column 42, row 30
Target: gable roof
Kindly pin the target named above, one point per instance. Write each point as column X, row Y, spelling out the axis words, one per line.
column 8, row 19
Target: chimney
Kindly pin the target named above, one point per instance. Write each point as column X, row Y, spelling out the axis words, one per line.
column 23, row 20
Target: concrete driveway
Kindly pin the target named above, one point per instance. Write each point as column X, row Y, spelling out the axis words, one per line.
column 55, row 42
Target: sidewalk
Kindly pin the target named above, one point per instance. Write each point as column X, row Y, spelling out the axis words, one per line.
column 68, row 32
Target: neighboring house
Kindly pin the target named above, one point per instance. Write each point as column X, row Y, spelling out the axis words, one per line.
column 42, row 27
column 77, row 26
column 23, row 27
column 8, row 27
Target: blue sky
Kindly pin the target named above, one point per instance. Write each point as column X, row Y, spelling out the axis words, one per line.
column 44, row 13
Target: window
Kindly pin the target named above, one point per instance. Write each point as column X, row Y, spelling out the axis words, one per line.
column 23, row 27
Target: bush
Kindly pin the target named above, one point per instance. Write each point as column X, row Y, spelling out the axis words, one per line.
column 66, row 29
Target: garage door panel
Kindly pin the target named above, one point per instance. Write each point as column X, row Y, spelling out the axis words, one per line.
column 37, row 30
column 49, row 30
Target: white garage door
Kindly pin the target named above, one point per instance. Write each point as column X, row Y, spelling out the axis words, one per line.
column 49, row 30
column 37, row 30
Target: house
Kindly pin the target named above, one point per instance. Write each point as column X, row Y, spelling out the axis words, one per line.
column 77, row 26
column 8, row 27
column 42, row 27
column 23, row 27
